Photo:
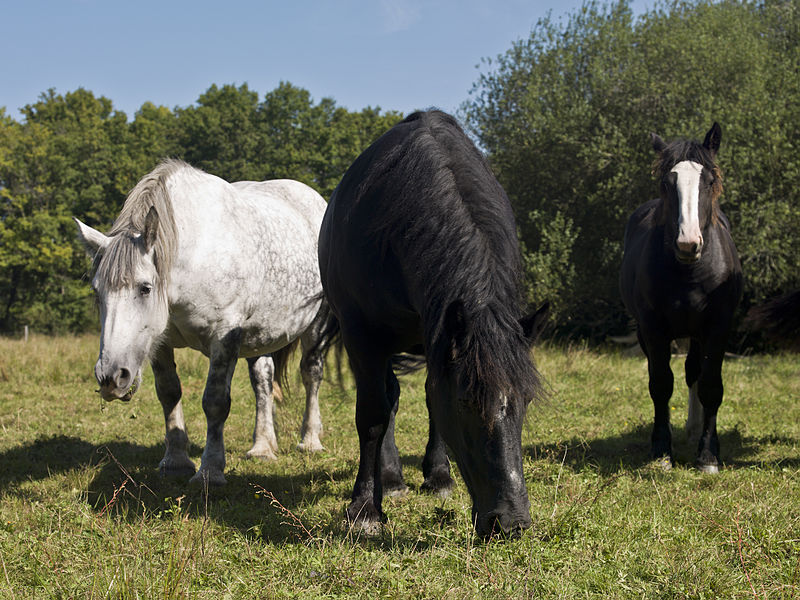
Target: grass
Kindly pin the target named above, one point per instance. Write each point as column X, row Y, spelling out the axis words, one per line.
column 84, row 514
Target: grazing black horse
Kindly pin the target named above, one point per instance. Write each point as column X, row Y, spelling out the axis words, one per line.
column 418, row 253
column 681, row 277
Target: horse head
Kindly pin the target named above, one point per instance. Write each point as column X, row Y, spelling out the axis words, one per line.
column 131, row 294
column 690, row 187
column 479, row 402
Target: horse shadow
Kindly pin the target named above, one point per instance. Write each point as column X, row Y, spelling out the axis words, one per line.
column 124, row 482
column 630, row 451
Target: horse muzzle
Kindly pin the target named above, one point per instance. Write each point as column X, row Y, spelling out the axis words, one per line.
column 689, row 254
column 120, row 386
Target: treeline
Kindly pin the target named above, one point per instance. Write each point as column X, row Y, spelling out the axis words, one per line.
column 74, row 155
column 565, row 116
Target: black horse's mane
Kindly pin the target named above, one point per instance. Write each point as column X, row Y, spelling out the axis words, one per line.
column 443, row 214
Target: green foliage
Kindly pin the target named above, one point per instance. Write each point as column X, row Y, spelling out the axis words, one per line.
column 74, row 155
column 565, row 117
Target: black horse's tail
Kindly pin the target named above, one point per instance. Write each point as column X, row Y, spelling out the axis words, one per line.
column 280, row 359
column 778, row 318
column 405, row 364
column 330, row 338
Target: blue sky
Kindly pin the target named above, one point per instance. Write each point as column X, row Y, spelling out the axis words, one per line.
column 396, row 54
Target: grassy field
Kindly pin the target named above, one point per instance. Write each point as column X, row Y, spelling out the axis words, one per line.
column 84, row 514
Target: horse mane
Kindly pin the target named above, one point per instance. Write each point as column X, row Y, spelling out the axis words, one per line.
column 117, row 262
column 446, row 216
column 678, row 151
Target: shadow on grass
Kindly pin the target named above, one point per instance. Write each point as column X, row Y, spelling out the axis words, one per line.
column 125, row 482
column 631, row 450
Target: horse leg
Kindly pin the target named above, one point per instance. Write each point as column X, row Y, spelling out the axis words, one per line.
column 217, row 406
column 436, row 464
column 657, row 349
column 693, row 366
column 176, row 461
column 373, row 413
column 709, row 388
column 311, row 369
column 391, row 469
column 265, row 444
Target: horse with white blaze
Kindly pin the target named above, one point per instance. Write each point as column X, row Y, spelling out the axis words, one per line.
column 227, row 269
column 681, row 277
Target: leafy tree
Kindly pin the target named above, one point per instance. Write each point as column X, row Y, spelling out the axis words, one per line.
column 74, row 155
column 64, row 159
column 219, row 135
column 565, row 115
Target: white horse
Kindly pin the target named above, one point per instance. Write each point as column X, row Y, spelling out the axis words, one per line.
column 227, row 269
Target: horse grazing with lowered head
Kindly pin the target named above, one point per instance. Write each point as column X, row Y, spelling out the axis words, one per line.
column 418, row 253
column 227, row 269
column 681, row 277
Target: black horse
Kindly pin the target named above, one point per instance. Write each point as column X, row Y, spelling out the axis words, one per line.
column 418, row 253
column 681, row 277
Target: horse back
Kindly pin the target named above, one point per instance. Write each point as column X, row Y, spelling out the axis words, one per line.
column 246, row 261
column 419, row 211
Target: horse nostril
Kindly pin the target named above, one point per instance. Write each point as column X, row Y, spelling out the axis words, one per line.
column 123, row 377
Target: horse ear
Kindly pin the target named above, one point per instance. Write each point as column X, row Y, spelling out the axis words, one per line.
column 657, row 142
column 94, row 241
column 713, row 139
column 533, row 323
column 150, row 228
column 455, row 328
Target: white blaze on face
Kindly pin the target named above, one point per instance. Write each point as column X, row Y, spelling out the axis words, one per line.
column 690, row 237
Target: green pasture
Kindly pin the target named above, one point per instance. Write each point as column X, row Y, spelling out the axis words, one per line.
column 84, row 513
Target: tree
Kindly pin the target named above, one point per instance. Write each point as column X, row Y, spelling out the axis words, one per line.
column 74, row 155
column 67, row 158
column 565, row 115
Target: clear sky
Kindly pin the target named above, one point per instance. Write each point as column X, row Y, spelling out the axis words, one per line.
column 395, row 54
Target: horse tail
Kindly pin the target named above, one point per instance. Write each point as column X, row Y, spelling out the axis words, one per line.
column 280, row 359
column 778, row 318
column 405, row 364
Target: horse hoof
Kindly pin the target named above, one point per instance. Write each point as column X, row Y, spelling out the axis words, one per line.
column 710, row 469
column 397, row 491
column 313, row 446
column 663, row 462
column 438, row 486
column 263, row 455
column 208, row 478
column 707, row 462
column 176, row 469
column 364, row 518
column 368, row 529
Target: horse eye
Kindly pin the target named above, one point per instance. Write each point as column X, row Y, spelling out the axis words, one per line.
column 145, row 289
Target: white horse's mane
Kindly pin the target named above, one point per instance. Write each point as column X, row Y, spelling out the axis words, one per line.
column 117, row 262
